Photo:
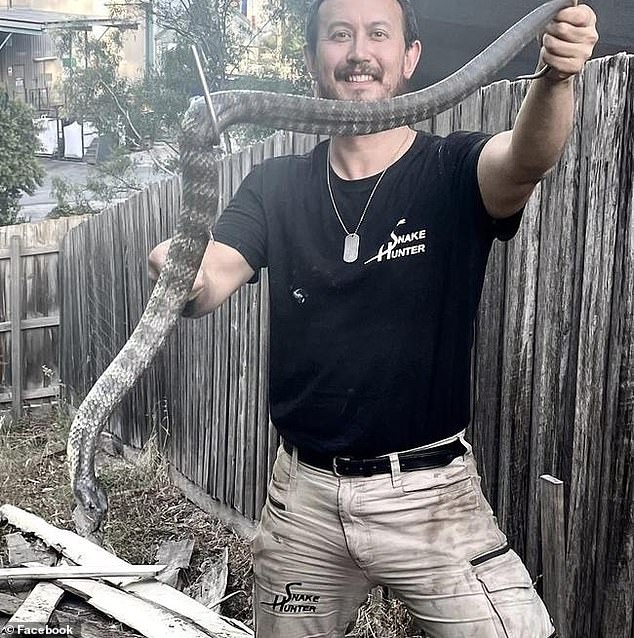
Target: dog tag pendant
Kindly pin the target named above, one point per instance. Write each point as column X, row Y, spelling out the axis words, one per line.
column 351, row 248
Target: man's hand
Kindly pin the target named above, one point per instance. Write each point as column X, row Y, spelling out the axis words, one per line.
column 156, row 262
column 569, row 41
column 512, row 163
column 222, row 271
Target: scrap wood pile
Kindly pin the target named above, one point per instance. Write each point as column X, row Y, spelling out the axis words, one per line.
column 141, row 597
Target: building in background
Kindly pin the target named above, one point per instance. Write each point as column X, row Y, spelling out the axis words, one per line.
column 264, row 44
column 30, row 65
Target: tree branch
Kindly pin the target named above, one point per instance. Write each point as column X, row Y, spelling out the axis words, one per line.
column 123, row 111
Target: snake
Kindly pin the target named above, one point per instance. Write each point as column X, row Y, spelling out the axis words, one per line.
column 201, row 127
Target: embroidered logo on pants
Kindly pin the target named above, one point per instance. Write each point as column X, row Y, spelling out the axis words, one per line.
column 294, row 602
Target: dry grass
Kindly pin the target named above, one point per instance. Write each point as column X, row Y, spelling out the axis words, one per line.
column 32, row 466
column 145, row 509
column 383, row 617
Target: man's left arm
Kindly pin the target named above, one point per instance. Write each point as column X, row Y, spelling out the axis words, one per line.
column 512, row 163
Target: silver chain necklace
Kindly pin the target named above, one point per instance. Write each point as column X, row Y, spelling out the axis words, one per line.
column 352, row 239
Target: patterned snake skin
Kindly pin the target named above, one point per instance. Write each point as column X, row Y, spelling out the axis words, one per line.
column 200, row 200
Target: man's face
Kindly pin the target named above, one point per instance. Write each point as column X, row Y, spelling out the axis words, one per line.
column 360, row 52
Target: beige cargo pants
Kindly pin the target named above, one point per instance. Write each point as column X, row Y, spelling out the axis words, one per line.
column 430, row 536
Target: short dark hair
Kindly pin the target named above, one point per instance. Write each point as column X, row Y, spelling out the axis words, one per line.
column 410, row 24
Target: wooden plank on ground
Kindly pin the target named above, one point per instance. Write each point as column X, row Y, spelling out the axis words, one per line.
column 39, row 605
column 9, row 604
column 21, row 551
column 175, row 555
column 83, row 552
column 148, row 619
column 213, row 581
column 82, row 571
column 75, row 612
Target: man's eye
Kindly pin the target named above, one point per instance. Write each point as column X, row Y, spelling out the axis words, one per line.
column 340, row 36
column 379, row 34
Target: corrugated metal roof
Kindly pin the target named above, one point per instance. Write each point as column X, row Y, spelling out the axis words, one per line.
column 31, row 21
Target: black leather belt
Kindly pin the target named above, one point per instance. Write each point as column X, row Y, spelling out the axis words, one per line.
column 409, row 461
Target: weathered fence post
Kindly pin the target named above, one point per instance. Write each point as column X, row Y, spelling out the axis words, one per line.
column 554, row 550
column 16, row 333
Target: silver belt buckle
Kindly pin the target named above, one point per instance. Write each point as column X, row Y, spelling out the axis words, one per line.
column 335, row 471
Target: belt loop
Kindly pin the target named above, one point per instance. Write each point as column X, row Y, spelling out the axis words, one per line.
column 395, row 468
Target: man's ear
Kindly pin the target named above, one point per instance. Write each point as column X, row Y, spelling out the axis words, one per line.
column 412, row 56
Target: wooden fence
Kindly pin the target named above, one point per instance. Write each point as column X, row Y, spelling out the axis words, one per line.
column 29, row 311
column 553, row 361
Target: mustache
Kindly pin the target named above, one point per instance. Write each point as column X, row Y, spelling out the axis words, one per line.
column 346, row 70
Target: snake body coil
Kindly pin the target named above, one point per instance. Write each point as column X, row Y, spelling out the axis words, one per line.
column 200, row 201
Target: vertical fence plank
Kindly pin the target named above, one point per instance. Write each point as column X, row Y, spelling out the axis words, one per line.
column 613, row 610
column 264, row 429
column 603, row 120
column 555, row 335
column 488, row 333
column 522, row 258
column 554, row 550
column 251, row 384
column 16, row 320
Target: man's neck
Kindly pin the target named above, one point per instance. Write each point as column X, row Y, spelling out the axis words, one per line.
column 360, row 156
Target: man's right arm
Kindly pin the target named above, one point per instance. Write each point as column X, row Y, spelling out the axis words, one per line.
column 222, row 271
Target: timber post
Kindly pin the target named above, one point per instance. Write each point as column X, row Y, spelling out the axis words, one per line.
column 554, row 550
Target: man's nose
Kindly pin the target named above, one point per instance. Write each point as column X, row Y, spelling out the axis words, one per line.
column 359, row 49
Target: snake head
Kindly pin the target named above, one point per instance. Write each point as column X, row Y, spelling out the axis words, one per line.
column 92, row 505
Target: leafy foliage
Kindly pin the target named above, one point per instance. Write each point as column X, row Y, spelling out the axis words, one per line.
column 71, row 199
column 111, row 180
column 291, row 15
column 137, row 112
column 94, row 90
column 20, row 171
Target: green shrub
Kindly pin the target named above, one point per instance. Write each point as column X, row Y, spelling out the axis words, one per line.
column 20, row 172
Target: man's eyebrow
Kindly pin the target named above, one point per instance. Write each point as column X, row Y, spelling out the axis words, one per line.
column 381, row 23
column 338, row 24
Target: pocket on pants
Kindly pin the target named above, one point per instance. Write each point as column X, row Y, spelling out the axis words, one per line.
column 509, row 588
column 279, row 488
column 456, row 489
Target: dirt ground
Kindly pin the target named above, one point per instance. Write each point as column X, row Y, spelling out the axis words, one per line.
column 144, row 510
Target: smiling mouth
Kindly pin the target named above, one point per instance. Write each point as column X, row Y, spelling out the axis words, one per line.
column 360, row 78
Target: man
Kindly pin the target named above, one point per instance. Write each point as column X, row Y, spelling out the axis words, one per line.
column 376, row 247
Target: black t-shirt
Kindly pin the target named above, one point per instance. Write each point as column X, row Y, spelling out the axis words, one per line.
column 373, row 356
